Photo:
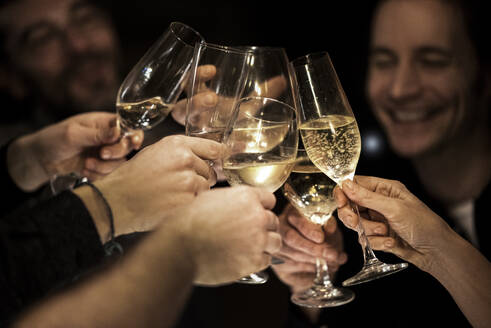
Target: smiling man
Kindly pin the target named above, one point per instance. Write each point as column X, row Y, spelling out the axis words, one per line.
column 57, row 58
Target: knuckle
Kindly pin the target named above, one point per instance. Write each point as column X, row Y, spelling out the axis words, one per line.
column 290, row 236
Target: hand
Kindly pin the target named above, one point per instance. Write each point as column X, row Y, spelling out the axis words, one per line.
column 229, row 233
column 86, row 144
column 394, row 219
column 205, row 100
column 162, row 176
column 303, row 241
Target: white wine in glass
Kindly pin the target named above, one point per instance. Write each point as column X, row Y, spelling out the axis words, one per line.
column 152, row 87
column 310, row 191
column 262, row 138
column 332, row 140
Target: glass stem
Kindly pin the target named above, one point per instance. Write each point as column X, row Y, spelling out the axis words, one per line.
column 368, row 254
column 322, row 274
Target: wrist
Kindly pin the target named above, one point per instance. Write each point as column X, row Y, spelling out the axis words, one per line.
column 435, row 259
column 97, row 210
column 23, row 164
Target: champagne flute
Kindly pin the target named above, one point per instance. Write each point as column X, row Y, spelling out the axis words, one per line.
column 262, row 138
column 310, row 191
column 331, row 137
column 150, row 89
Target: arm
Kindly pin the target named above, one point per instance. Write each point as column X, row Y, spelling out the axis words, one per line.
column 151, row 285
column 421, row 237
column 44, row 247
column 87, row 143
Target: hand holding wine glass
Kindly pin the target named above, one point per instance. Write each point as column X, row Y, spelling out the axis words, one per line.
column 331, row 137
column 262, row 140
column 310, row 191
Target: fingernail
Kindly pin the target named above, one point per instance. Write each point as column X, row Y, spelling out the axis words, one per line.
column 348, row 184
column 379, row 230
column 106, row 154
column 389, row 243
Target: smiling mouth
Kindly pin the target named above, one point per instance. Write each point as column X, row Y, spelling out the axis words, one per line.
column 406, row 116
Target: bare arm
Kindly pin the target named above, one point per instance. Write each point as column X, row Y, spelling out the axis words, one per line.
column 424, row 239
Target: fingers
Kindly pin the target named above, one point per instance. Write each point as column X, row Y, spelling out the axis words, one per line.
column 273, row 242
column 291, row 254
column 307, row 228
column 271, row 88
column 273, row 222
column 370, row 199
column 266, row 198
column 295, row 240
column 204, row 148
column 394, row 246
column 123, row 147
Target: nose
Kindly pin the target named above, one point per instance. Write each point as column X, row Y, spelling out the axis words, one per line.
column 76, row 41
column 406, row 83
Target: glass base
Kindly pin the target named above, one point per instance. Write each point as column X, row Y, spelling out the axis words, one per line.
column 254, row 278
column 372, row 270
column 323, row 296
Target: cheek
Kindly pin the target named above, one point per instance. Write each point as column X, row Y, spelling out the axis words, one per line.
column 104, row 39
column 45, row 64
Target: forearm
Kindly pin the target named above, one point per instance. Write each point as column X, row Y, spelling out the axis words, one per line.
column 148, row 289
column 466, row 274
column 23, row 167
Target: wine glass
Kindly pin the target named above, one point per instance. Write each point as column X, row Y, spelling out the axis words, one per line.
column 224, row 84
column 262, row 138
column 332, row 140
column 310, row 191
column 150, row 89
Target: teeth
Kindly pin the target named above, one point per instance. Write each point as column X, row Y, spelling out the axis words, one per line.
column 405, row 116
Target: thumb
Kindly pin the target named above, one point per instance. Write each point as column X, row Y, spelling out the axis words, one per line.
column 371, row 200
column 91, row 136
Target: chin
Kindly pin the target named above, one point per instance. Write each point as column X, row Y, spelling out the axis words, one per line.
column 410, row 146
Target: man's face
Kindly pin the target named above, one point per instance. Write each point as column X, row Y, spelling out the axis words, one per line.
column 421, row 69
column 65, row 51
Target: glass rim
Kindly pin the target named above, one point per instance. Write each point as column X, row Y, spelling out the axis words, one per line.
column 310, row 57
column 221, row 47
column 172, row 28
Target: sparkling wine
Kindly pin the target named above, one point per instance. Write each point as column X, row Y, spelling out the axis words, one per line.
column 333, row 143
column 259, row 170
column 143, row 114
column 310, row 191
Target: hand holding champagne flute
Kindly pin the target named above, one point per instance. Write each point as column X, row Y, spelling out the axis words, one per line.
column 310, row 191
column 262, row 139
column 331, row 137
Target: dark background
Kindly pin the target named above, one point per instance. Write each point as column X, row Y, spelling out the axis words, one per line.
column 339, row 27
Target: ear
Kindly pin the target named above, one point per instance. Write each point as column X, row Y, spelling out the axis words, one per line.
column 11, row 83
